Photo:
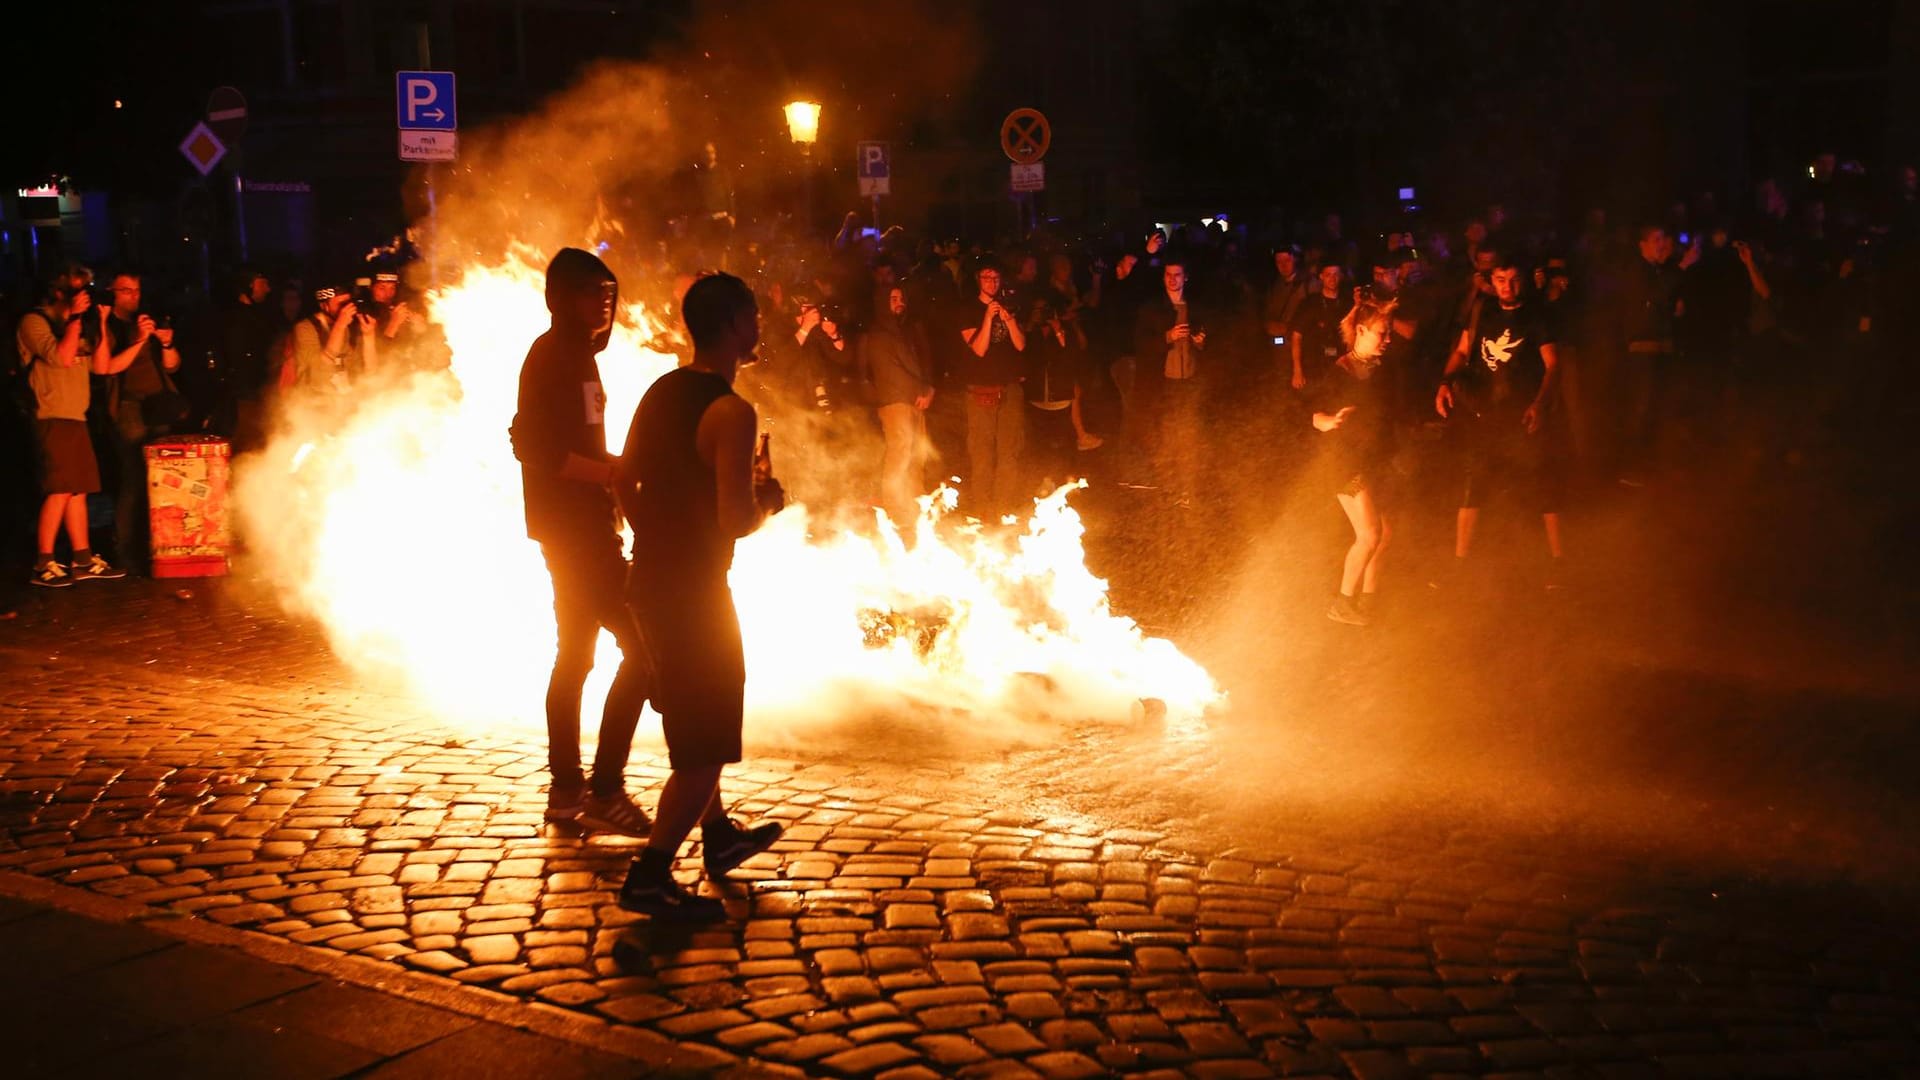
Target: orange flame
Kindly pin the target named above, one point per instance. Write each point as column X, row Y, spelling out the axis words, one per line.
column 398, row 527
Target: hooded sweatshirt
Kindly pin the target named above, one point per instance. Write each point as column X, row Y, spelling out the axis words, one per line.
column 562, row 410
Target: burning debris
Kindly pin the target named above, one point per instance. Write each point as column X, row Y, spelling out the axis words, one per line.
column 836, row 621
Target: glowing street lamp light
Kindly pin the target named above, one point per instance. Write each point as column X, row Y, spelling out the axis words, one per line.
column 803, row 122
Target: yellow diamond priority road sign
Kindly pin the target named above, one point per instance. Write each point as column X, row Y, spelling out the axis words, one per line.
column 203, row 148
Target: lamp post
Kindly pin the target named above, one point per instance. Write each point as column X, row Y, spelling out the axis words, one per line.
column 803, row 126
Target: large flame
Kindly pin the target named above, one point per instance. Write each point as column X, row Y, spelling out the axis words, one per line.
column 397, row 523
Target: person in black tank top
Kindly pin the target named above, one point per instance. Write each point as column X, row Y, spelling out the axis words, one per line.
column 688, row 485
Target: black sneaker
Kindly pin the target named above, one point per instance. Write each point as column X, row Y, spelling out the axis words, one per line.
column 723, row 855
column 666, row 901
column 614, row 813
column 1344, row 610
column 97, row 569
column 564, row 803
column 50, row 575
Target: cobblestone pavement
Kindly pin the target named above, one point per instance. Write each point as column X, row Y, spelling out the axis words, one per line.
column 201, row 756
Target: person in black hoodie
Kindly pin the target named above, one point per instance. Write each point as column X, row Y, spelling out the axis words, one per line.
column 566, row 476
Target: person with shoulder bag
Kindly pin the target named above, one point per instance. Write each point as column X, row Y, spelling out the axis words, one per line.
column 138, row 355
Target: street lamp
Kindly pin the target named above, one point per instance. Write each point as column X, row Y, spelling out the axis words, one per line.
column 803, row 124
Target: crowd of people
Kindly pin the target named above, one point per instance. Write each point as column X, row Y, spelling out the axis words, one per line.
column 1416, row 366
column 1421, row 368
column 102, row 372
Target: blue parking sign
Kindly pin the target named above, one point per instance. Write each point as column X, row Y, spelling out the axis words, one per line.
column 423, row 101
column 873, row 161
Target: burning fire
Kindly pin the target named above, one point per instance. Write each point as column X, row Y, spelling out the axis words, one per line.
column 398, row 526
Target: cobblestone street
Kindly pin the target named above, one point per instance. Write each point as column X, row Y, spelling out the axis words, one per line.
column 202, row 756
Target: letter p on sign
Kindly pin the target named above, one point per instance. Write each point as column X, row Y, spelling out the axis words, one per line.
column 424, row 100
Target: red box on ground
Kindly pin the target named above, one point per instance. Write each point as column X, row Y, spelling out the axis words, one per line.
column 187, row 480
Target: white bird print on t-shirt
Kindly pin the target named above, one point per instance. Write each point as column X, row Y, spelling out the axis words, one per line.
column 1498, row 352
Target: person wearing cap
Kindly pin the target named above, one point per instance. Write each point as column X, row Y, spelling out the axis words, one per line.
column 392, row 314
column 559, row 436
column 322, row 345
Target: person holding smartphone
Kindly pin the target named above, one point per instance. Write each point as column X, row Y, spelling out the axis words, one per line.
column 992, row 369
column 1169, row 341
column 1284, row 297
column 140, row 359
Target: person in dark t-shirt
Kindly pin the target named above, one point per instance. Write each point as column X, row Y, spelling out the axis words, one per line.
column 1315, row 331
column 692, row 483
column 992, row 369
column 559, row 436
column 1497, row 393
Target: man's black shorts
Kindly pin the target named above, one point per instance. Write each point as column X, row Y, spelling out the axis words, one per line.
column 701, row 667
column 1496, row 452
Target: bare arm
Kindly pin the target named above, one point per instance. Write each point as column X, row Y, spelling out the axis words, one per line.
column 1457, row 359
column 1550, row 359
column 1456, row 363
column 369, row 342
column 979, row 337
column 725, row 440
column 39, row 341
column 107, row 362
column 1014, row 333
column 1754, row 276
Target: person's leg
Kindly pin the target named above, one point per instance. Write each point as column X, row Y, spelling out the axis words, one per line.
column 1463, row 525
column 921, row 453
column 689, row 798
column 1191, row 447
column 1011, row 487
column 896, row 457
column 1365, row 539
column 1371, row 579
column 53, row 510
column 577, row 626
column 1636, row 416
column 632, row 685
column 981, row 457
column 130, row 486
column 1383, row 536
column 76, row 519
column 1477, row 474
column 1082, row 438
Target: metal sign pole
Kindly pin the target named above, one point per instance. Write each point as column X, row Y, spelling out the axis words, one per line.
column 240, row 210
column 433, row 229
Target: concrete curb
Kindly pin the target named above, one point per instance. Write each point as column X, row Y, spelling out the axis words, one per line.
column 657, row 1053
